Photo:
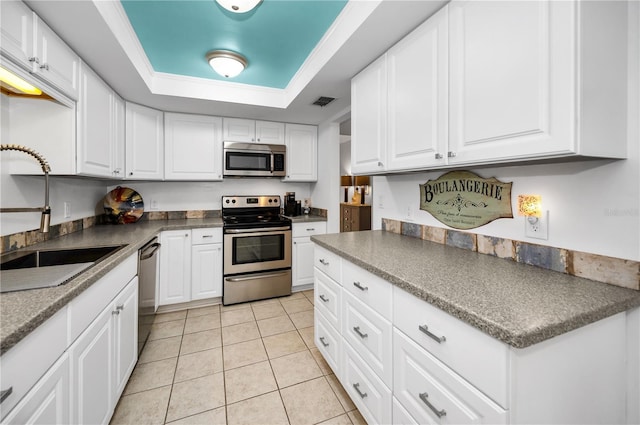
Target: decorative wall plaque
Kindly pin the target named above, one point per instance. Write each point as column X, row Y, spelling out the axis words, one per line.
column 464, row 200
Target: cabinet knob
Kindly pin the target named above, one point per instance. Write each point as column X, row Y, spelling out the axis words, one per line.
column 379, row 164
column 34, row 59
column 5, row 393
column 115, row 312
column 131, row 173
column 438, row 156
column 451, row 154
column 44, row 66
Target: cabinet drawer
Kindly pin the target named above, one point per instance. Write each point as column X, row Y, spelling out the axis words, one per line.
column 481, row 359
column 328, row 262
column 368, row 392
column 368, row 288
column 25, row 363
column 309, row 229
column 369, row 334
column 430, row 390
column 327, row 294
column 400, row 414
column 328, row 341
column 206, row 236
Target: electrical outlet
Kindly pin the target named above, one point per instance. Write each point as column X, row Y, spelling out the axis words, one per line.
column 381, row 202
column 537, row 227
column 153, row 205
column 67, row 210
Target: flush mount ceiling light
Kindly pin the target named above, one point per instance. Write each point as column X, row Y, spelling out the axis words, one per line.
column 226, row 63
column 239, row 6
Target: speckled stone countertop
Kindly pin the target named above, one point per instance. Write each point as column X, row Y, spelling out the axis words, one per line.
column 306, row 218
column 516, row 303
column 21, row 312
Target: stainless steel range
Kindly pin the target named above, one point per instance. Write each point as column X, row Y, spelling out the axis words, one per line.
column 257, row 249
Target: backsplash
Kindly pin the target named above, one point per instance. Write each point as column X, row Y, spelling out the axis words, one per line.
column 31, row 237
column 614, row 271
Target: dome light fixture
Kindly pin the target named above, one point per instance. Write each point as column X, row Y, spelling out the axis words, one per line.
column 239, row 6
column 226, row 63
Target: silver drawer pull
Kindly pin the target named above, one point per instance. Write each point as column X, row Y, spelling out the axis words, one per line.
column 425, row 330
column 207, row 236
column 326, row 300
column 425, row 400
column 326, row 344
column 360, row 287
column 357, row 388
column 311, row 230
column 356, row 329
column 323, row 262
column 115, row 312
column 5, row 393
column 120, row 307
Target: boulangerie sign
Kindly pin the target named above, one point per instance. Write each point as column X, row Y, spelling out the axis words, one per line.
column 464, row 200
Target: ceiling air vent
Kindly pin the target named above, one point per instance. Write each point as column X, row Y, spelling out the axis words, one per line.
column 324, row 101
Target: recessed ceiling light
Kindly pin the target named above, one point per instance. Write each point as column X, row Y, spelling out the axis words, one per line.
column 226, row 63
column 239, row 6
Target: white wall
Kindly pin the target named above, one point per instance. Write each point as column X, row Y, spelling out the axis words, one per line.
column 593, row 205
column 181, row 196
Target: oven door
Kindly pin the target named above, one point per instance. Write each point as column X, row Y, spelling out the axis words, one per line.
column 256, row 250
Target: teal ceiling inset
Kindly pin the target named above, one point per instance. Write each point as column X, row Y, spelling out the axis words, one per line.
column 276, row 37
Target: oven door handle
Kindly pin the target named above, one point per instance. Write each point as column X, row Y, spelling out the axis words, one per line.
column 262, row 276
column 261, row 229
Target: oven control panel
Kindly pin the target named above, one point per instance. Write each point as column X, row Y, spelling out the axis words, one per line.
column 250, row 201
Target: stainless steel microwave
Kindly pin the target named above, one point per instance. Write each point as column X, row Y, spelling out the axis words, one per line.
column 254, row 159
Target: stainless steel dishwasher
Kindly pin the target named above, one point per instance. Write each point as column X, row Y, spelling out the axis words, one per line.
column 147, row 289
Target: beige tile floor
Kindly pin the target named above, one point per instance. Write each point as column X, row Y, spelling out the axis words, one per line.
column 252, row 363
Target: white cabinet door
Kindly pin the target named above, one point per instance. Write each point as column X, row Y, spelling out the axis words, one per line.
column 92, row 365
column 144, row 143
column 418, row 96
column 16, row 32
column 58, row 64
column 96, row 131
column 193, row 147
column 48, row 401
column 206, row 272
column 369, row 118
column 119, row 136
column 302, row 152
column 511, row 79
column 239, row 130
column 302, row 260
column 175, row 267
column 125, row 335
column 270, row 132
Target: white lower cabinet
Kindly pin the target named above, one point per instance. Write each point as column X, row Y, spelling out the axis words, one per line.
column 404, row 361
column 190, row 265
column 302, row 251
column 206, row 264
column 48, row 401
column 103, row 357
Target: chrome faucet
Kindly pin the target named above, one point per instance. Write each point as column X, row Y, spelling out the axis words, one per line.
column 45, row 221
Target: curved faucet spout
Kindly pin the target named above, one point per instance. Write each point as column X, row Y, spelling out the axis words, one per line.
column 45, row 221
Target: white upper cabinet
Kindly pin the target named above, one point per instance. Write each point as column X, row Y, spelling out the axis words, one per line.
column 518, row 80
column 302, row 152
column 526, row 81
column 369, row 118
column 251, row 131
column 100, row 128
column 31, row 44
column 417, row 72
column 193, row 147
column 144, row 143
column 17, row 32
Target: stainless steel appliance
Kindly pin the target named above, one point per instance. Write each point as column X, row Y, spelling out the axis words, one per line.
column 257, row 249
column 254, row 159
column 147, row 300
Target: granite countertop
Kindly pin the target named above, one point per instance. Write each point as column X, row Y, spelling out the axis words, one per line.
column 305, row 218
column 21, row 312
column 516, row 303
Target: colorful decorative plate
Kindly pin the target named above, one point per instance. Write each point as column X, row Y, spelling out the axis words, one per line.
column 123, row 205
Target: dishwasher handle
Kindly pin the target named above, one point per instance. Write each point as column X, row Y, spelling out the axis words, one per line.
column 154, row 247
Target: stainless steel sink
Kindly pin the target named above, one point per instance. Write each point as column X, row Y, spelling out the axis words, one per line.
column 46, row 268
